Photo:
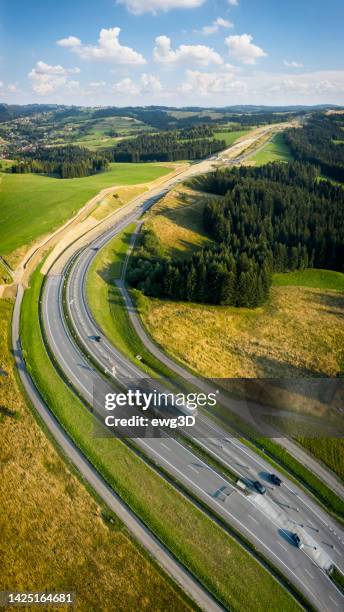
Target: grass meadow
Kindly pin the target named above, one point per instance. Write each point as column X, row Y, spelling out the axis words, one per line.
column 64, row 539
column 230, row 137
column 275, row 150
column 226, row 568
column 33, row 205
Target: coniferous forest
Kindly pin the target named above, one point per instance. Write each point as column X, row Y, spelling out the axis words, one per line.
column 62, row 162
column 278, row 217
column 192, row 143
column 320, row 142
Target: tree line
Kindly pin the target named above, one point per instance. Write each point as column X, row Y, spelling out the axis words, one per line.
column 63, row 162
column 316, row 143
column 274, row 218
column 167, row 146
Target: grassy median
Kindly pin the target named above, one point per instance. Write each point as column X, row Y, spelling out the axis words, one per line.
column 210, row 553
column 54, row 534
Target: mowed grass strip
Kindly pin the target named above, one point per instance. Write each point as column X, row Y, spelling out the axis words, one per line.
column 209, row 334
column 33, row 205
column 318, row 279
column 54, row 534
column 228, row 571
column 230, row 137
column 275, row 150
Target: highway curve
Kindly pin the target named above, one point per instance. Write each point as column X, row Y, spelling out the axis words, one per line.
column 263, row 526
column 262, row 520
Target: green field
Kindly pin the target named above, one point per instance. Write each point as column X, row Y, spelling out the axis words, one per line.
column 33, row 205
column 230, row 137
column 275, row 150
column 318, row 279
column 226, row 569
column 90, row 537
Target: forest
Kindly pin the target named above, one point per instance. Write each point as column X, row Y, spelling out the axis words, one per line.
column 191, row 143
column 277, row 217
column 316, row 143
column 63, row 162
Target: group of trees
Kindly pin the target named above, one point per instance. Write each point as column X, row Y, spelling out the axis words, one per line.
column 316, row 143
column 274, row 218
column 282, row 209
column 193, row 143
column 213, row 275
column 63, row 162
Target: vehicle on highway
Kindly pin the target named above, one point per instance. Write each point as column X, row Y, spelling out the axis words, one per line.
column 224, row 493
column 97, row 338
column 259, row 487
column 275, row 480
column 295, row 538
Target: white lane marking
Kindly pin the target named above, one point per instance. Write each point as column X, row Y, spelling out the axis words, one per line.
column 253, row 519
column 261, row 464
column 165, row 446
column 309, row 574
column 282, row 545
column 234, row 518
column 191, row 467
column 333, row 601
column 227, row 511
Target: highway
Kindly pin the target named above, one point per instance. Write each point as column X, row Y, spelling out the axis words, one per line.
column 154, row 547
column 265, row 522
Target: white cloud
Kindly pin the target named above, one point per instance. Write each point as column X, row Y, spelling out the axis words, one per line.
column 216, row 25
column 97, row 84
column 212, row 83
column 109, row 48
column 233, row 2
column 292, row 64
column 155, row 6
column 242, row 48
column 198, row 54
column 11, row 88
column 47, row 79
column 148, row 84
column 70, row 41
column 126, row 87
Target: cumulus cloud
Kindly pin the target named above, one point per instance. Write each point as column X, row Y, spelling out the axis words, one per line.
column 69, row 42
column 109, row 48
column 5, row 89
column 137, row 7
column 292, row 64
column 126, row 87
column 233, row 2
column 150, row 84
column 46, row 79
column 216, row 25
column 198, row 54
column 311, row 87
column 212, row 83
column 242, row 49
column 147, row 84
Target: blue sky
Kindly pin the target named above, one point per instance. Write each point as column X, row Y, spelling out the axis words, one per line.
column 172, row 52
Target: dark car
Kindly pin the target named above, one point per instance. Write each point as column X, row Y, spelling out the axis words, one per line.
column 259, row 487
column 296, row 540
column 97, row 338
column 275, row 480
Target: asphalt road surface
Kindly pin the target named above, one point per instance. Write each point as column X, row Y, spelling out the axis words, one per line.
column 266, row 523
